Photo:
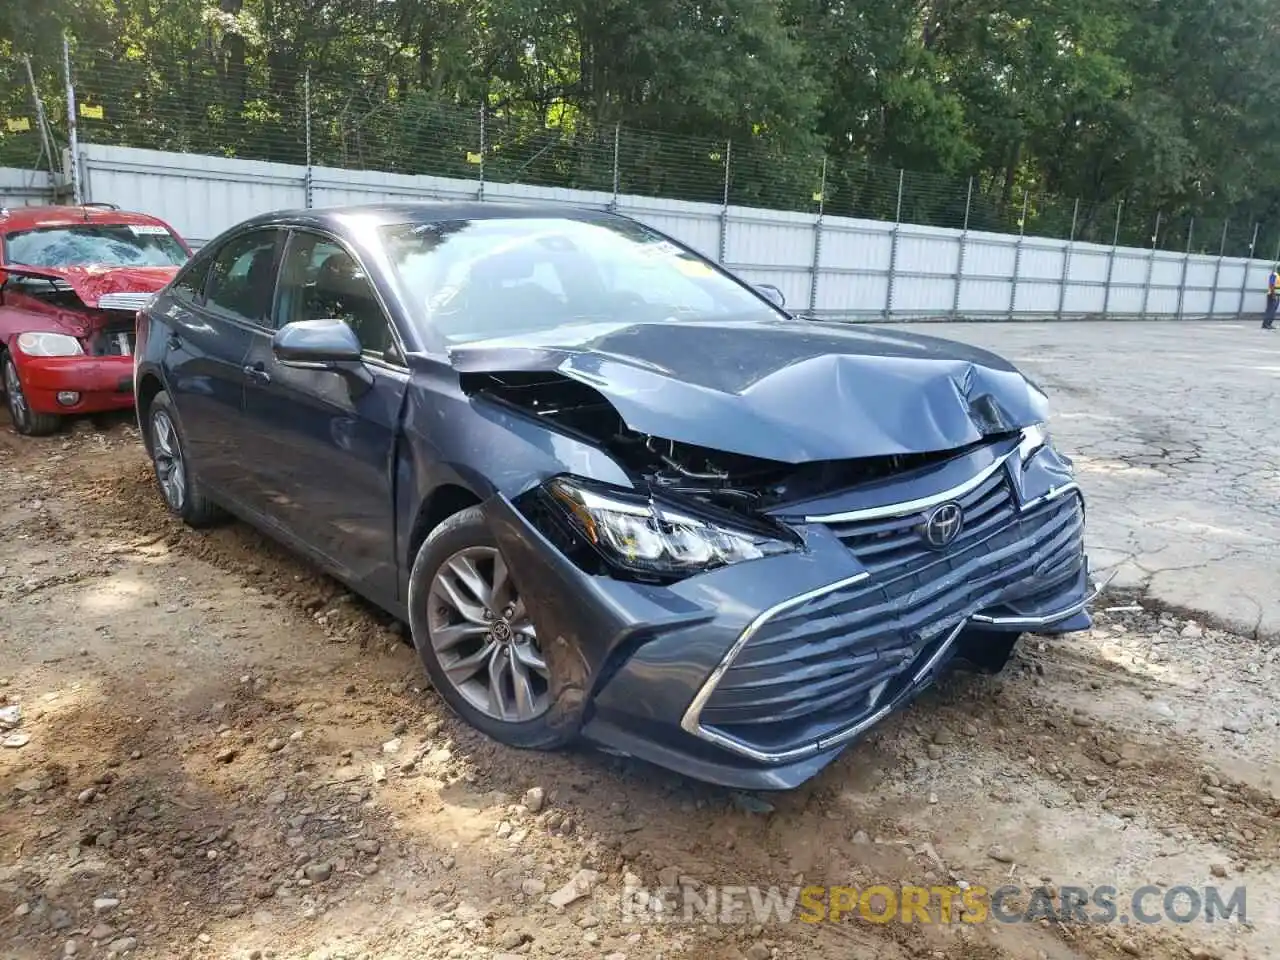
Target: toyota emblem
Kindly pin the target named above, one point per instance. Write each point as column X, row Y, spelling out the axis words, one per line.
column 943, row 525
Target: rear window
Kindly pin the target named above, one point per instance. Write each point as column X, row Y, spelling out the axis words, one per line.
column 95, row 244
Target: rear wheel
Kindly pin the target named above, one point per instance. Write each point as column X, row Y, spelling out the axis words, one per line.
column 181, row 491
column 25, row 420
column 476, row 640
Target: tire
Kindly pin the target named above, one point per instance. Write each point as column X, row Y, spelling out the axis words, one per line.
column 464, row 541
column 179, row 488
column 25, row 420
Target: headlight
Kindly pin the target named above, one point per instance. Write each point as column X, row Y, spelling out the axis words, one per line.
column 1034, row 439
column 49, row 345
column 646, row 537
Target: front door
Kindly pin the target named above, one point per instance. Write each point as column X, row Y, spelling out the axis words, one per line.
column 327, row 474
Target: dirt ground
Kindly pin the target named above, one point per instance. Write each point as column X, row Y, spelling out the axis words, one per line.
column 221, row 753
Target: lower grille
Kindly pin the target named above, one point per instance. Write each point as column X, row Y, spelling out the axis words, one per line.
column 817, row 667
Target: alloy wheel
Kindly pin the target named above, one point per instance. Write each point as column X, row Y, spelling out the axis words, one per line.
column 483, row 637
column 167, row 453
column 18, row 409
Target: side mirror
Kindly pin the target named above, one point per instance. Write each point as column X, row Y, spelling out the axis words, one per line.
column 316, row 342
column 772, row 294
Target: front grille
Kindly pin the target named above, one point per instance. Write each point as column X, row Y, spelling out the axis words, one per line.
column 818, row 667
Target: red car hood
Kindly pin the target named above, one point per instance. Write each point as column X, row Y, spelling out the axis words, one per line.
column 93, row 283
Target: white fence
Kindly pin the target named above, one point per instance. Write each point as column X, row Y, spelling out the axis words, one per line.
column 24, row 188
column 831, row 265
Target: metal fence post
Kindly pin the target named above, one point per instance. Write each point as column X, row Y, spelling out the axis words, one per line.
column 1217, row 270
column 1066, row 261
column 42, row 121
column 308, row 185
column 73, row 139
column 1244, row 281
column 724, row 202
column 1186, row 260
column 483, row 111
column 817, row 240
column 1151, row 266
column 893, row 248
column 617, row 172
column 1111, row 260
column 1017, row 254
column 964, row 246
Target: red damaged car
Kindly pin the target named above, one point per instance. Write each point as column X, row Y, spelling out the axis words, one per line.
column 72, row 280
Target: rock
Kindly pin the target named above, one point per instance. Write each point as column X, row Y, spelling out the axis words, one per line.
column 1131, row 948
column 10, row 717
column 943, row 737
column 861, row 837
column 227, row 755
column 105, row 904
column 87, row 795
column 100, row 931
column 1218, row 870
column 935, row 752
column 1110, row 757
column 123, row 945
column 318, row 872
column 1236, row 725
column 970, row 730
column 70, row 948
column 504, row 829
column 533, row 887
column 581, row 885
column 22, row 909
column 15, row 741
column 369, row 846
column 392, row 746
column 233, row 909
column 751, row 804
column 400, row 729
column 1080, row 720
column 534, row 799
column 512, row 939
column 757, row 951
column 275, row 745
column 997, row 853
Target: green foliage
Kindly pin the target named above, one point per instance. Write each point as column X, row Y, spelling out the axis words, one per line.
column 1159, row 105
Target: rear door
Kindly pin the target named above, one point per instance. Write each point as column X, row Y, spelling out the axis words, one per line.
column 210, row 330
column 328, row 477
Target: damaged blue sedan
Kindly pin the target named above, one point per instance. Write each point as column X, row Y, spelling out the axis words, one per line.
column 616, row 492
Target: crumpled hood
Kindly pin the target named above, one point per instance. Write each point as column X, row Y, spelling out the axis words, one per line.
column 791, row 391
column 91, row 284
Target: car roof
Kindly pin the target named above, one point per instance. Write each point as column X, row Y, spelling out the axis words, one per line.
column 427, row 211
column 14, row 219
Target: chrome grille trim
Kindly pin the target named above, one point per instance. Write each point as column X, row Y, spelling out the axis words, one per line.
column 132, row 302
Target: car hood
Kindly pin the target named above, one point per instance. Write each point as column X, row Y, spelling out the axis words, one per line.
column 790, row 391
column 93, row 283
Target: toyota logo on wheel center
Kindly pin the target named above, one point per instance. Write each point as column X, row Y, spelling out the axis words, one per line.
column 943, row 525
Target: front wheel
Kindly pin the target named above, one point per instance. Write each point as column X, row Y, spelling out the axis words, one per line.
column 25, row 420
column 181, row 491
column 475, row 638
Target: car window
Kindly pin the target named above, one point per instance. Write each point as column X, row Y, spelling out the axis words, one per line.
column 95, row 244
column 189, row 284
column 470, row 279
column 319, row 280
column 241, row 279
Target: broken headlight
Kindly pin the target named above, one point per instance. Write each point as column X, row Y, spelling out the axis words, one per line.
column 1034, row 439
column 647, row 537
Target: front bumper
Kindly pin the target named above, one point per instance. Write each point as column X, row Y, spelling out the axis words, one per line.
column 756, row 676
column 103, row 383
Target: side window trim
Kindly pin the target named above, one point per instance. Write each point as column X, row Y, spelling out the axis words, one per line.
column 346, row 248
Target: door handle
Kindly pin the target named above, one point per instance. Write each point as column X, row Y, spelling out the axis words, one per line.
column 258, row 372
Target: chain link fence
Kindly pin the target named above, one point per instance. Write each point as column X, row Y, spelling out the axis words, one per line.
column 220, row 102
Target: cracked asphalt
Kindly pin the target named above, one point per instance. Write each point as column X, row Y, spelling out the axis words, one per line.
column 1175, row 430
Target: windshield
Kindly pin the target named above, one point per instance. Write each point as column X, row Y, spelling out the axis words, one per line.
column 472, row 279
column 95, row 244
